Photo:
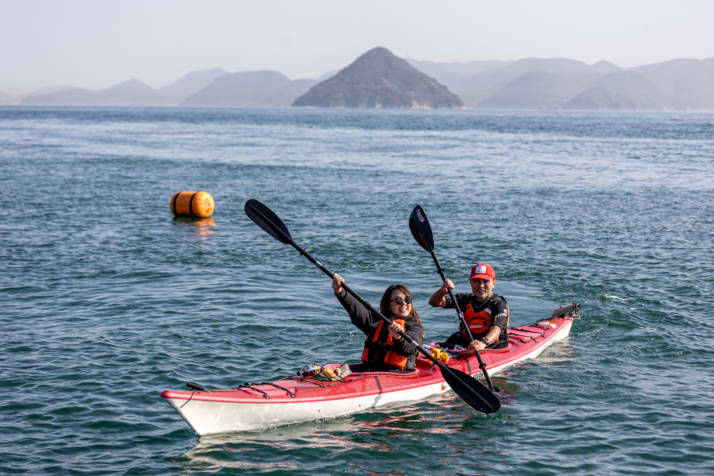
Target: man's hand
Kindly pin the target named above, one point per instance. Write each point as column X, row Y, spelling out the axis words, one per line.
column 477, row 345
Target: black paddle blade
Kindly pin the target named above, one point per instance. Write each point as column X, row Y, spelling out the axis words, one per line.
column 267, row 220
column 470, row 390
column 420, row 228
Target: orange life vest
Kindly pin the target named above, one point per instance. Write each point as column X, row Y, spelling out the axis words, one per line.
column 479, row 322
column 379, row 347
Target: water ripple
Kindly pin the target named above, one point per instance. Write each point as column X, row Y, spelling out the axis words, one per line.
column 108, row 300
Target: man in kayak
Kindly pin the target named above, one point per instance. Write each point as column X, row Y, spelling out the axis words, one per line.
column 384, row 348
column 485, row 313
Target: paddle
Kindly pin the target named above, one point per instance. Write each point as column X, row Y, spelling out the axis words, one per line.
column 421, row 230
column 466, row 387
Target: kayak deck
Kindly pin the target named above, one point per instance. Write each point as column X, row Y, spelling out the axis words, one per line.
column 297, row 398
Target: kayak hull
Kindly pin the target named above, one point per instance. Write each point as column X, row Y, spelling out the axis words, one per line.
column 228, row 414
column 298, row 399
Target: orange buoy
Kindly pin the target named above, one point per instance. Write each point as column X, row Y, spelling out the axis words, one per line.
column 192, row 204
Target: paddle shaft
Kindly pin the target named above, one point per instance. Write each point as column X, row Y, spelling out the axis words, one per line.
column 463, row 322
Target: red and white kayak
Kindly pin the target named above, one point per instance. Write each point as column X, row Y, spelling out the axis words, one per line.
column 298, row 398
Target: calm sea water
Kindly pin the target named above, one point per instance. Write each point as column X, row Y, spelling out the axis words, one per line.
column 107, row 299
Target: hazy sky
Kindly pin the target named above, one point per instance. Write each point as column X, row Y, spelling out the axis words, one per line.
column 98, row 43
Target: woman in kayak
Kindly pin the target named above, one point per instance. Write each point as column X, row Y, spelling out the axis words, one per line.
column 384, row 347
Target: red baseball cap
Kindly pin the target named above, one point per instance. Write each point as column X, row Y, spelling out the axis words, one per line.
column 482, row 271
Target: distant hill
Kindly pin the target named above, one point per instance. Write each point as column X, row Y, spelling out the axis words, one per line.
column 537, row 90
column 471, row 81
column 559, row 83
column 378, row 79
column 15, row 99
column 688, row 82
column 482, row 83
column 191, row 83
column 127, row 93
column 63, row 97
column 489, row 88
column 605, row 67
column 626, row 90
column 132, row 93
column 287, row 95
column 207, row 88
column 249, row 89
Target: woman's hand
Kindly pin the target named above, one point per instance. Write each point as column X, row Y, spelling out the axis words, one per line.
column 394, row 330
column 337, row 281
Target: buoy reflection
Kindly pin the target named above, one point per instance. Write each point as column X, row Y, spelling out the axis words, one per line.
column 202, row 226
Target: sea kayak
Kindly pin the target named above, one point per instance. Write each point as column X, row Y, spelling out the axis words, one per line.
column 300, row 398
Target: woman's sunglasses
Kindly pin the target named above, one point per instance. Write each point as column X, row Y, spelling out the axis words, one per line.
column 399, row 301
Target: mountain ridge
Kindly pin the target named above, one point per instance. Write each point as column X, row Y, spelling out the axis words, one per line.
column 675, row 85
column 681, row 84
